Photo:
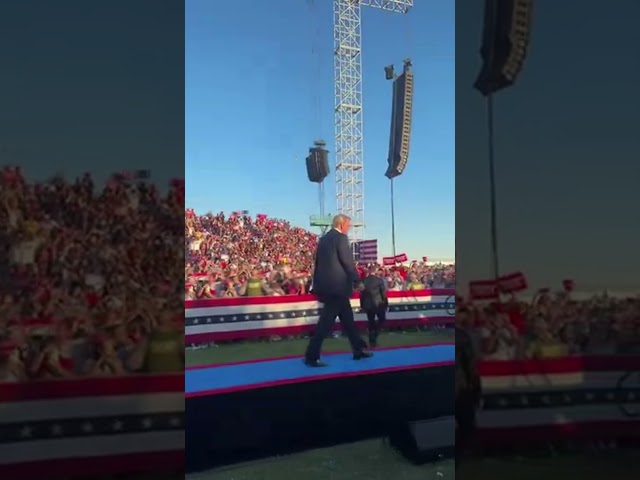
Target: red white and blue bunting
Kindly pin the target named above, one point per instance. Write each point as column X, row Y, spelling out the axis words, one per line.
column 578, row 398
column 51, row 429
column 236, row 318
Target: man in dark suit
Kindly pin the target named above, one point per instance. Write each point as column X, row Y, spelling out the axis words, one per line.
column 374, row 302
column 334, row 278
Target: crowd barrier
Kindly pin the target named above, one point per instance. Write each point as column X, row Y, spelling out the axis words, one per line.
column 222, row 319
column 575, row 398
column 64, row 428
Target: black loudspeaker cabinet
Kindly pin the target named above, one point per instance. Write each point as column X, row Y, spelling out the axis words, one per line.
column 425, row 441
column 401, row 117
column 317, row 165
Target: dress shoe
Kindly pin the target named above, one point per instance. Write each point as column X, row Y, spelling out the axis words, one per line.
column 315, row 363
column 362, row 354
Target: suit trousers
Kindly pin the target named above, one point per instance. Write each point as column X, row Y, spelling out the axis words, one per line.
column 374, row 327
column 334, row 307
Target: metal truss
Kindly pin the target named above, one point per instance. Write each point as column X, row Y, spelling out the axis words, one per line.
column 397, row 6
column 349, row 166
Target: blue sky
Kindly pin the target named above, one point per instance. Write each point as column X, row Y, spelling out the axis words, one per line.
column 251, row 90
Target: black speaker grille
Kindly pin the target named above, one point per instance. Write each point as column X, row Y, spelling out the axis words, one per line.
column 317, row 164
column 400, row 137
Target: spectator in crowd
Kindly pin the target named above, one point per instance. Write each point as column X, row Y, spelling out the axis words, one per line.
column 498, row 336
column 11, row 368
column 413, row 283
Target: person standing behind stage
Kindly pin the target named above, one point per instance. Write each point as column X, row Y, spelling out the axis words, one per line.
column 334, row 278
column 374, row 302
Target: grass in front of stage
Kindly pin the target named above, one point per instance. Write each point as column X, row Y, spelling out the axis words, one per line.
column 258, row 349
column 594, row 464
column 368, row 460
column 373, row 460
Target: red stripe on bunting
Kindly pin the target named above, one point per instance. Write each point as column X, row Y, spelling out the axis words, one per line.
column 91, row 387
column 559, row 365
column 135, row 463
column 543, row 434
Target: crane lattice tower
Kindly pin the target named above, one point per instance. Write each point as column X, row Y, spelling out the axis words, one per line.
column 347, row 47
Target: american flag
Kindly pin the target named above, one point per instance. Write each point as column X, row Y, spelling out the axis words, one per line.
column 366, row 251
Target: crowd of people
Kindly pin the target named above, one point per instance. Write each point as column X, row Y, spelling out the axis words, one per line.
column 80, row 289
column 237, row 255
column 81, row 294
column 552, row 326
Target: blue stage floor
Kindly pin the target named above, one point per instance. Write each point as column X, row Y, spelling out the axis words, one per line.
column 259, row 374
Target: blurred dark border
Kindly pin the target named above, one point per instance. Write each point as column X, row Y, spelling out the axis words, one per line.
column 97, row 87
column 566, row 149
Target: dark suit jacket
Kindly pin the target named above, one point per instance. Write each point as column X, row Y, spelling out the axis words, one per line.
column 374, row 295
column 335, row 271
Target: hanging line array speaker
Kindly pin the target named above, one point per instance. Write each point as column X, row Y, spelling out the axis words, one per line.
column 401, row 113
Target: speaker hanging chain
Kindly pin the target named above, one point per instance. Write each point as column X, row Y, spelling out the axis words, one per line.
column 316, row 68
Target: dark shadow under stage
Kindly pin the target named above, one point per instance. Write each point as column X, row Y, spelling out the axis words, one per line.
column 246, row 411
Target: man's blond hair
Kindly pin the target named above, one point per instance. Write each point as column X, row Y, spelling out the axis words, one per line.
column 339, row 220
